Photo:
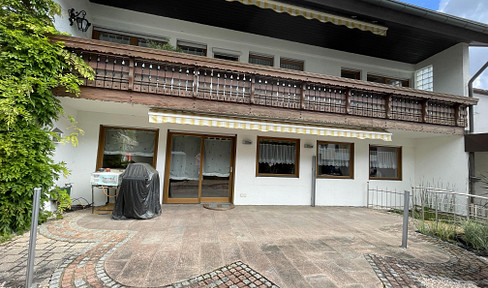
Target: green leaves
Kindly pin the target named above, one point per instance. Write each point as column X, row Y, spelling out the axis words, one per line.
column 31, row 65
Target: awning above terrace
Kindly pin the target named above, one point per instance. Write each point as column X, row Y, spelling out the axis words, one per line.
column 310, row 14
column 173, row 117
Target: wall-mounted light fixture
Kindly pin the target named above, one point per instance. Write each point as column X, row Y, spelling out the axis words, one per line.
column 79, row 18
column 246, row 142
column 59, row 133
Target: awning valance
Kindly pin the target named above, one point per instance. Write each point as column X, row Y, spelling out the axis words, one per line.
column 171, row 117
column 317, row 15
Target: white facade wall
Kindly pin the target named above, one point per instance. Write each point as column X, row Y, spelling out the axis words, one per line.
column 422, row 158
column 442, row 162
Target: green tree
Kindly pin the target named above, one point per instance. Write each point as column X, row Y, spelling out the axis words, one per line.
column 31, row 65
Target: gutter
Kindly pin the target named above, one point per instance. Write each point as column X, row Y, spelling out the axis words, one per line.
column 431, row 14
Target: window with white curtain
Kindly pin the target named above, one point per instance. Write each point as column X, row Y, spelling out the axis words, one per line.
column 277, row 157
column 335, row 159
column 121, row 146
column 385, row 162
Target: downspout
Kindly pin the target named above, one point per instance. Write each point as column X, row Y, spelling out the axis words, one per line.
column 471, row 160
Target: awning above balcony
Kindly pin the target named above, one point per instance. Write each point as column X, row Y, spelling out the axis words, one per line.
column 172, row 117
column 316, row 15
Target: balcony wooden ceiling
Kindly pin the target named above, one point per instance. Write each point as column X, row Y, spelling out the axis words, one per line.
column 414, row 34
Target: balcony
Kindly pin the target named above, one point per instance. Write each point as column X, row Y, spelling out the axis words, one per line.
column 179, row 81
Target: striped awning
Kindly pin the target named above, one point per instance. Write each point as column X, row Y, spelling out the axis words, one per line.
column 171, row 117
column 317, row 15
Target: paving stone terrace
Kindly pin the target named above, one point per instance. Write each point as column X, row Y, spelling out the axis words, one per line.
column 249, row 246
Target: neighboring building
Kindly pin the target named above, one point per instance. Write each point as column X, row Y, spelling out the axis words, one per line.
column 477, row 142
column 256, row 94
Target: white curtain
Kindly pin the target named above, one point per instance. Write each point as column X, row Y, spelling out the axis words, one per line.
column 277, row 153
column 129, row 141
column 383, row 158
column 185, row 157
column 216, row 160
column 333, row 155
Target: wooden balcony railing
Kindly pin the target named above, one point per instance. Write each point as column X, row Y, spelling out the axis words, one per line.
column 122, row 67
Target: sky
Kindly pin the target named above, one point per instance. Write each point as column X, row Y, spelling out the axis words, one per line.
column 476, row 10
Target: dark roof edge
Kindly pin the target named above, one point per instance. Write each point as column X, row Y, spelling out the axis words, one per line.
column 431, row 14
column 480, row 91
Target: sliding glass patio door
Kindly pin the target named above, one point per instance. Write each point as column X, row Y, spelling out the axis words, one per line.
column 199, row 168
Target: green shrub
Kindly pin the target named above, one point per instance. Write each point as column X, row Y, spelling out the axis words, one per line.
column 476, row 235
column 442, row 230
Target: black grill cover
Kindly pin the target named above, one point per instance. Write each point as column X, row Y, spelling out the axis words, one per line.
column 139, row 193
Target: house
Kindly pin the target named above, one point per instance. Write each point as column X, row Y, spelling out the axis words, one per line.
column 477, row 143
column 271, row 102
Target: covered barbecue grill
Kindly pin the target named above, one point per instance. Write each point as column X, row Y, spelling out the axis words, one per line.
column 138, row 196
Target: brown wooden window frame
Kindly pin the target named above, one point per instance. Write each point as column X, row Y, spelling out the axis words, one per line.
column 351, row 160
column 101, row 143
column 356, row 73
column 133, row 40
column 297, row 156
column 399, row 163
column 261, row 57
column 289, row 61
column 405, row 82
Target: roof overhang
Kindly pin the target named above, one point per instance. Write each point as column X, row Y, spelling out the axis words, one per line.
column 414, row 34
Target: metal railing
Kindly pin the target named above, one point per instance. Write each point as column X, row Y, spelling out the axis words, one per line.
column 431, row 203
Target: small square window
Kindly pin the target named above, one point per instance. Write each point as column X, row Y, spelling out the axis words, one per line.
column 385, row 163
column 335, row 160
column 291, row 64
column 277, row 157
column 261, row 59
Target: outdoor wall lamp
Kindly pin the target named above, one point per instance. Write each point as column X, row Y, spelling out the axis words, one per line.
column 79, row 18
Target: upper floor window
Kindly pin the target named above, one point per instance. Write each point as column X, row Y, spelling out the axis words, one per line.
column 123, row 38
column 291, row 64
column 192, row 48
column 261, row 59
column 120, row 146
column 226, row 54
column 226, row 57
column 351, row 74
column 277, row 157
column 388, row 80
column 385, row 162
column 335, row 159
column 424, row 78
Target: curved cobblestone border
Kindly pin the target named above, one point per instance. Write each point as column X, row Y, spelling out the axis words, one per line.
column 463, row 267
column 87, row 268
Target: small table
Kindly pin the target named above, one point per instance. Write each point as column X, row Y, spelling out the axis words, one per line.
column 108, row 193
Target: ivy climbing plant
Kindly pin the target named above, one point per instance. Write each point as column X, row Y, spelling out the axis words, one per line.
column 31, row 65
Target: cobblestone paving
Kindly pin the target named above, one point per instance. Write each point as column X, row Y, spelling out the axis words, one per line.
column 234, row 275
column 462, row 268
column 49, row 254
column 70, row 255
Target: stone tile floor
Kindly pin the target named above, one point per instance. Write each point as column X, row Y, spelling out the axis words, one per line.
column 286, row 246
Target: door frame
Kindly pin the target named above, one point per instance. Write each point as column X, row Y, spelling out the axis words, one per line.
column 199, row 199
